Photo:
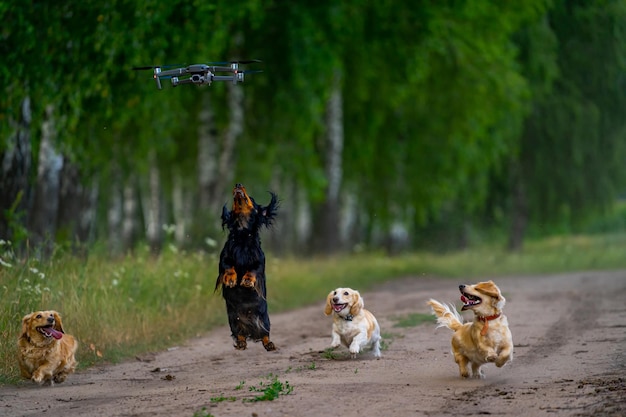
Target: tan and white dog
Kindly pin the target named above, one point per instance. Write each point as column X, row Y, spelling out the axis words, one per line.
column 353, row 325
column 487, row 338
column 45, row 351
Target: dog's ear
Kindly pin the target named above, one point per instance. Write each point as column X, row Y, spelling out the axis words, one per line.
column 492, row 290
column 329, row 308
column 489, row 288
column 357, row 303
column 225, row 216
column 58, row 324
column 26, row 325
column 268, row 213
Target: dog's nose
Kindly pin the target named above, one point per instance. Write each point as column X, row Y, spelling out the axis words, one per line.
column 461, row 287
column 335, row 299
column 51, row 319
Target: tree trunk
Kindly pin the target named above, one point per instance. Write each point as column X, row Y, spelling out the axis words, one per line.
column 181, row 203
column 46, row 204
column 519, row 210
column 114, row 214
column 14, row 170
column 154, row 218
column 207, row 154
column 329, row 214
column 130, row 223
column 77, row 207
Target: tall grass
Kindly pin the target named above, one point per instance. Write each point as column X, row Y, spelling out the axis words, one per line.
column 118, row 308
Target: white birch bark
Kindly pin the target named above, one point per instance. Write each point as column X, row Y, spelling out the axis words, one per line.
column 46, row 202
column 207, row 154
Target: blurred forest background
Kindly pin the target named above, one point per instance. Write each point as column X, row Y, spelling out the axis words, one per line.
column 380, row 124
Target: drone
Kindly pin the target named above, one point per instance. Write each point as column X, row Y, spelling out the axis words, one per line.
column 201, row 74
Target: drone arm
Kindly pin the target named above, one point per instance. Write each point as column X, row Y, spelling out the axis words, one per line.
column 235, row 78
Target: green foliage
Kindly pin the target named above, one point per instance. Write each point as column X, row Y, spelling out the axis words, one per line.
column 572, row 148
column 270, row 389
column 222, row 398
column 412, row 320
column 440, row 99
column 202, row 413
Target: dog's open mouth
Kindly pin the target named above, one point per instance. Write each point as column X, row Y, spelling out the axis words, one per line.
column 339, row 307
column 469, row 300
column 50, row 331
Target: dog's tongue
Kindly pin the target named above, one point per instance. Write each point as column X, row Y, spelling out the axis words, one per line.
column 51, row 331
column 464, row 299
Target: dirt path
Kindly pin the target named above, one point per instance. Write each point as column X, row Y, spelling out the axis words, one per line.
column 570, row 360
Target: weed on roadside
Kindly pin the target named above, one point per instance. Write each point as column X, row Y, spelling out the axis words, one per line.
column 221, row 399
column 270, row 390
column 329, row 354
column 202, row 413
column 412, row 320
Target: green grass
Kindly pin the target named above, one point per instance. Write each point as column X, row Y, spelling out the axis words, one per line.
column 270, row 389
column 412, row 320
column 118, row 308
column 202, row 413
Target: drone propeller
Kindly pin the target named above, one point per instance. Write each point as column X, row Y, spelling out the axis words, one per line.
column 249, row 61
column 156, row 66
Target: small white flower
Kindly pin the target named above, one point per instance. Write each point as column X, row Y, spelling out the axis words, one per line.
column 5, row 264
column 210, row 242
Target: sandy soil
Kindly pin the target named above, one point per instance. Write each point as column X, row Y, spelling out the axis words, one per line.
column 570, row 360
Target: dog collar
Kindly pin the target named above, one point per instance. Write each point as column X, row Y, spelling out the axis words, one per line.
column 486, row 320
column 349, row 317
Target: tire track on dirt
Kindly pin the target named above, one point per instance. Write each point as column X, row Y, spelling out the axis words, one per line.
column 561, row 331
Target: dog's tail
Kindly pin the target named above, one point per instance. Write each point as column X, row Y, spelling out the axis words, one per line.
column 447, row 316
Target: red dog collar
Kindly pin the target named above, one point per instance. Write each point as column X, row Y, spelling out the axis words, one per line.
column 486, row 321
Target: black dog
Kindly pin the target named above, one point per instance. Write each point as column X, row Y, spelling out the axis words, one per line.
column 242, row 269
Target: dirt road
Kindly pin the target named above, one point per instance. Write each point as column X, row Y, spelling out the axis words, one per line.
column 569, row 360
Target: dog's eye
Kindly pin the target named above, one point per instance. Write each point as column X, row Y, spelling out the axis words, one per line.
column 334, row 292
column 345, row 293
column 38, row 316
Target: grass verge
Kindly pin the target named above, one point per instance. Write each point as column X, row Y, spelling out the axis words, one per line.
column 119, row 308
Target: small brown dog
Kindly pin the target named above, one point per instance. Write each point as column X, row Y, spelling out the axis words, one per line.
column 487, row 338
column 45, row 352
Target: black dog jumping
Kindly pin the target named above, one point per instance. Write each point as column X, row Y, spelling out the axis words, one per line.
column 242, row 269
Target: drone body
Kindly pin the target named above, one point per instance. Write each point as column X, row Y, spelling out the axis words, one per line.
column 201, row 74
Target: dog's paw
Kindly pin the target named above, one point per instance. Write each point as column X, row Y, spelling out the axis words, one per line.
column 60, row 377
column 249, row 280
column 229, row 278
column 501, row 361
column 354, row 351
column 491, row 357
column 38, row 377
column 241, row 344
column 269, row 346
